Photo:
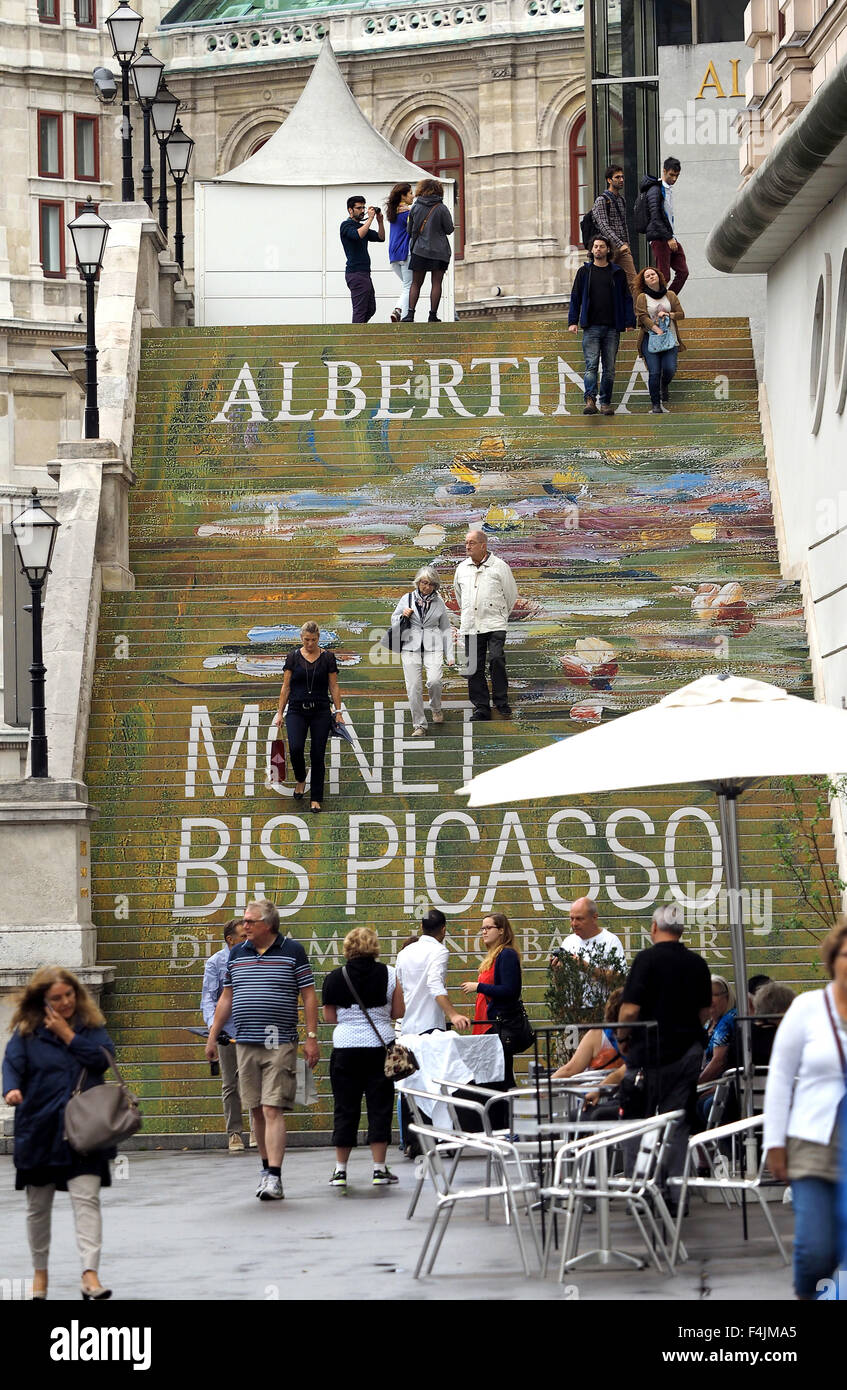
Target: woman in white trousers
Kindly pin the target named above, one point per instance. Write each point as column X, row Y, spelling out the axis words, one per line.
column 427, row 643
column 58, row 1040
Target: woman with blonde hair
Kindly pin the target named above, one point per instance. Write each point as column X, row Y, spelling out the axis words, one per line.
column 362, row 998
column 57, row 1033
column 498, row 986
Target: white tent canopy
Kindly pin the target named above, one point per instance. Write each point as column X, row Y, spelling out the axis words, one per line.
column 267, row 240
column 327, row 139
column 716, row 730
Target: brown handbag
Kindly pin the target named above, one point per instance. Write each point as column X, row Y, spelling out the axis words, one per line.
column 101, row 1116
column 400, row 1061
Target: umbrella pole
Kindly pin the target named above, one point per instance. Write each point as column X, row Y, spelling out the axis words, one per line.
column 727, row 799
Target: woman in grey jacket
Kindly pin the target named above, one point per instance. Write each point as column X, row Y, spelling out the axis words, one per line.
column 427, row 643
column 429, row 224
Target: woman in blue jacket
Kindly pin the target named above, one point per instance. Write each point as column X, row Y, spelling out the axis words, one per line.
column 498, row 988
column 57, row 1031
column 400, row 200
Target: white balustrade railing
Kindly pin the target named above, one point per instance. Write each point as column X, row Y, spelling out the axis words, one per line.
column 357, row 30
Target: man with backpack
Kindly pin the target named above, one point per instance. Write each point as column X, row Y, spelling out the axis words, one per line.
column 607, row 218
column 601, row 306
column 654, row 216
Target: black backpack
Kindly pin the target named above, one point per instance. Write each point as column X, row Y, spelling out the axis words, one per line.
column 588, row 228
column 641, row 212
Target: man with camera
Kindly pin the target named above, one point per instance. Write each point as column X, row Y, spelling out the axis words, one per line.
column 356, row 232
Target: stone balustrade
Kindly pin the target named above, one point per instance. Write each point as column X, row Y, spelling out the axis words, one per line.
column 355, row 30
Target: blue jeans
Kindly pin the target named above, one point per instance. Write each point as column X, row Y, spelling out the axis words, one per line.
column 661, row 370
column 600, row 344
column 815, row 1233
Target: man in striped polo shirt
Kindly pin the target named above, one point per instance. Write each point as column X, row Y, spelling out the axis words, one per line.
column 264, row 978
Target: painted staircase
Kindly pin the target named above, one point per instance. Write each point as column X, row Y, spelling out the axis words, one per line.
column 645, row 555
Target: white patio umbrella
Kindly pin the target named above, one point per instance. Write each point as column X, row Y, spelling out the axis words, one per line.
column 721, row 731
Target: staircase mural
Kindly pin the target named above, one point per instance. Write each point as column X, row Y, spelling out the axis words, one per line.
column 295, row 473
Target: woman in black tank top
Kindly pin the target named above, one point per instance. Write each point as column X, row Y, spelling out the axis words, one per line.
column 309, row 692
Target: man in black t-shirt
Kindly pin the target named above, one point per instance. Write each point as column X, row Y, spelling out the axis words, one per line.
column 672, row 986
column 356, row 232
column 601, row 305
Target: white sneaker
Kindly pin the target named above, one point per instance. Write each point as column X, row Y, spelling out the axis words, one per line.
column 272, row 1189
column 419, row 732
column 263, row 1177
column 438, row 718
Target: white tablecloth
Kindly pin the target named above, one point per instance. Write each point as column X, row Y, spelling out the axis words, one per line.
column 454, row 1057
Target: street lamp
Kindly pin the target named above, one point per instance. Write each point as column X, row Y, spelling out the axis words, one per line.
column 123, row 27
column 34, row 531
column 146, row 78
column 88, row 233
column 163, row 112
column 179, row 149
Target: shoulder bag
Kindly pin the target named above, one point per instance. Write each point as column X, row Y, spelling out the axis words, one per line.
column 102, row 1116
column 419, row 232
column 400, row 1061
column 516, row 1031
column 393, row 638
column 664, row 341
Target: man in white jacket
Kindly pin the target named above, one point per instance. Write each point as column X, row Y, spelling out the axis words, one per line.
column 486, row 590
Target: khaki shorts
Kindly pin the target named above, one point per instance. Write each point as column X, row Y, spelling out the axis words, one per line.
column 267, row 1075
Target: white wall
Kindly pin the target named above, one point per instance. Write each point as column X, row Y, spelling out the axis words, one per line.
column 699, row 131
column 811, row 469
column 273, row 255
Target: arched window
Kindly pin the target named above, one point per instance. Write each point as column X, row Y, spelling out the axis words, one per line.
column 438, row 149
column 578, row 177
column 254, row 149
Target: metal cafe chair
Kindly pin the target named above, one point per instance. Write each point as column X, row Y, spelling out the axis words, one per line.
column 431, row 1161
column 503, row 1183
column 725, row 1178
column 582, row 1174
column 429, row 1158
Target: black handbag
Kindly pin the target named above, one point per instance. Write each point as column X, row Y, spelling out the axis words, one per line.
column 400, row 1061
column 516, row 1031
column 393, row 638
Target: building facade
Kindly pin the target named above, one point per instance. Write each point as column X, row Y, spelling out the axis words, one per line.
column 796, row 46
column 788, row 223
column 491, row 96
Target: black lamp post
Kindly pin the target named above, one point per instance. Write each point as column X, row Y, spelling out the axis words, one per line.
column 34, row 531
column 146, row 78
column 88, row 233
column 123, row 27
column 179, row 149
column 163, row 112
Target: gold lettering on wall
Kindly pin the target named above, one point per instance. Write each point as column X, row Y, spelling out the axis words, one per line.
column 733, row 63
column 712, row 80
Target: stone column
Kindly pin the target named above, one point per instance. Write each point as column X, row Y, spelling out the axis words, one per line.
column 45, row 892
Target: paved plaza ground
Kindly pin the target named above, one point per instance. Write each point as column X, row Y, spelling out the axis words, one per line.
column 186, row 1225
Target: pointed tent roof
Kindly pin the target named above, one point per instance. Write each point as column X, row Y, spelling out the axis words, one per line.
column 326, row 139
